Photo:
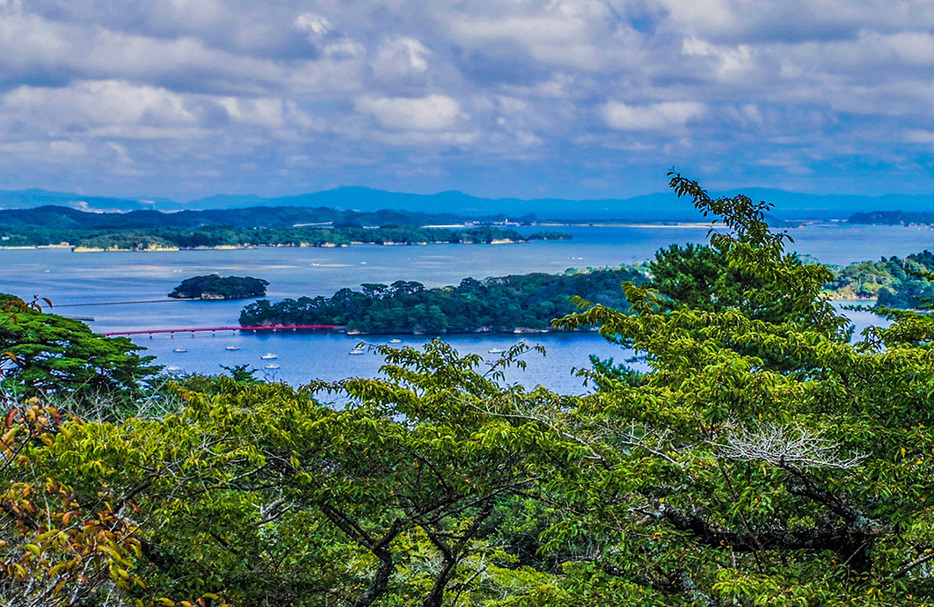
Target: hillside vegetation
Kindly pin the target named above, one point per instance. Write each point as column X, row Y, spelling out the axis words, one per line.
column 760, row 458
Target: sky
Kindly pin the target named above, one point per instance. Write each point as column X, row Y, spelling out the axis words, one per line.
column 496, row 98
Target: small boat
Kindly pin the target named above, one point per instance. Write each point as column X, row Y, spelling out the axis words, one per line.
column 357, row 351
column 179, row 350
column 269, row 356
column 272, row 366
column 395, row 341
column 496, row 350
column 232, row 348
column 173, row 369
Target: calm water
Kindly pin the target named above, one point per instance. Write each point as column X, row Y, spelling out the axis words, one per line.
column 95, row 278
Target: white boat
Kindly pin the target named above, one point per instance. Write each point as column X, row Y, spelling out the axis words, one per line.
column 179, row 350
column 395, row 341
column 496, row 350
column 272, row 366
column 231, row 348
column 357, row 351
column 173, row 369
column 269, row 356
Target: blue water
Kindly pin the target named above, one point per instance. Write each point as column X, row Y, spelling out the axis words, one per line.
column 95, row 278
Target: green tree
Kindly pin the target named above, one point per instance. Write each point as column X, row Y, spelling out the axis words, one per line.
column 760, row 460
column 45, row 353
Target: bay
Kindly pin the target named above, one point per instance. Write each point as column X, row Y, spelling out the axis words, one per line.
column 90, row 285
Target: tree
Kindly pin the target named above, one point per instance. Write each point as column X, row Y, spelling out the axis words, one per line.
column 45, row 353
column 760, row 460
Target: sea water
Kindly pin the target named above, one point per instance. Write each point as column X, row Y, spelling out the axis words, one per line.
column 99, row 285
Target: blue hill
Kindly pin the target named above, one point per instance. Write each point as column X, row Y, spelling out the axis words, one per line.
column 652, row 207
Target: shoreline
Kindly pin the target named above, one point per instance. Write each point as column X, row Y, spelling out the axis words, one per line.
column 304, row 245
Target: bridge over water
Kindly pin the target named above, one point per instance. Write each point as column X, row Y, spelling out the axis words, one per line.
column 256, row 329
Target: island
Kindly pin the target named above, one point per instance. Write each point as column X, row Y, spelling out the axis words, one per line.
column 892, row 218
column 249, row 228
column 504, row 304
column 216, row 287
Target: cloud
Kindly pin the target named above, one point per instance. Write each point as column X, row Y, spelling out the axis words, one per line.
column 316, row 25
column 226, row 94
column 400, row 58
column 431, row 113
column 650, row 117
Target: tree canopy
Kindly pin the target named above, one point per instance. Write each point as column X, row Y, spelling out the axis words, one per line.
column 761, row 458
column 215, row 286
column 43, row 353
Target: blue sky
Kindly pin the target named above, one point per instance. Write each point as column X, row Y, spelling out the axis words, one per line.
column 563, row 98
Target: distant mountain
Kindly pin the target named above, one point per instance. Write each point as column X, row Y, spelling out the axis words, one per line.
column 32, row 198
column 652, row 207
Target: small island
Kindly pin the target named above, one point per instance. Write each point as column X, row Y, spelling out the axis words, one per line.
column 216, row 287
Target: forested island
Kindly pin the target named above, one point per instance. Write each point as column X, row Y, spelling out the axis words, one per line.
column 892, row 218
column 215, row 286
column 527, row 303
column 243, row 228
column 760, row 457
column 895, row 282
column 220, row 237
column 518, row 303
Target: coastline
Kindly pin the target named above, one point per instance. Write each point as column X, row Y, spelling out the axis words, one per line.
column 325, row 245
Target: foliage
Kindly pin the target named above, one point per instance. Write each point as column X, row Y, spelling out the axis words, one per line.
column 45, row 353
column 758, row 460
column 262, row 495
column 504, row 303
column 745, row 268
column 896, row 282
column 214, row 286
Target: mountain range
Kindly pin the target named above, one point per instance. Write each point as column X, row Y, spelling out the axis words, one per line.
column 652, row 207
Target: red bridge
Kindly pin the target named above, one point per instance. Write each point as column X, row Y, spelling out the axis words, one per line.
column 194, row 330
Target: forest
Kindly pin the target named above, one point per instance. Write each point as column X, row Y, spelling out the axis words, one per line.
column 215, row 286
column 896, row 282
column 892, row 218
column 529, row 302
column 57, row 217
column 226, row 236
column 501, row 304
column 761, row 457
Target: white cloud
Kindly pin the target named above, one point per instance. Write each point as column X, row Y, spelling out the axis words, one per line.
column 262, row 112
column 400, row 57
column 650, row 117
column 316, row 25
column 102, row 102
column 732, row 62
column 431, row 113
